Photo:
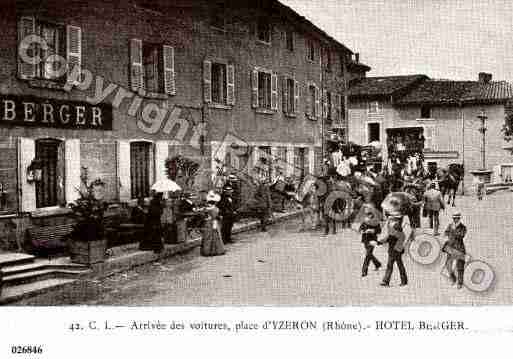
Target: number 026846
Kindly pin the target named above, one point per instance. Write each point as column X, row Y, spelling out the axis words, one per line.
column 26, row 349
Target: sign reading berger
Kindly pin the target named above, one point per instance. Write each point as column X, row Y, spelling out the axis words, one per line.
column 43, row 112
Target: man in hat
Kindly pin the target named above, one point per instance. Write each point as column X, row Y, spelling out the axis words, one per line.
column 396, row 242
column 455, row 249
column 228, row 214
column 433, row 203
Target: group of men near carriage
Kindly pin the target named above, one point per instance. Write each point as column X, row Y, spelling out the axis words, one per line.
column 351, row 191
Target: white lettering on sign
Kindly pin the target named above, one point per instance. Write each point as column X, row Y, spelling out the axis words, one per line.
column 80, row 115
column 29, row 111
column 97, row 116
column 64, row 116
column 47, row 113
column 9, row 113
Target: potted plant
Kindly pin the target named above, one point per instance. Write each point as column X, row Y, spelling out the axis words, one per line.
column 87, row 242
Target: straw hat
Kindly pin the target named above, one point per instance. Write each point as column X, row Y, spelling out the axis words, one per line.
column 213, row 197
column 456, row 215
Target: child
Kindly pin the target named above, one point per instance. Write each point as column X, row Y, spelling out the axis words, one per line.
column 370, row 230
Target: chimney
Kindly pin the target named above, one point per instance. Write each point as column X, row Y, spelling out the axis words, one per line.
column 357, row 57
column 485, row 77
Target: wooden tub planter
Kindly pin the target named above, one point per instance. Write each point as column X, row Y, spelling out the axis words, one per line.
column 87, row 252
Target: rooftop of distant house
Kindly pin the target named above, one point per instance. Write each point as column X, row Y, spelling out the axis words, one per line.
column 384, row 86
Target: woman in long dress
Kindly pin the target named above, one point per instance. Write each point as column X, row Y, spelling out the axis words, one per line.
column 212, row 242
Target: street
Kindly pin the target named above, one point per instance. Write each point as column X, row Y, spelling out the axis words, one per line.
column 284, row 267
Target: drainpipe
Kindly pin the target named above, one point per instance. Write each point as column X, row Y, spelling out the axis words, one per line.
column 462, row 115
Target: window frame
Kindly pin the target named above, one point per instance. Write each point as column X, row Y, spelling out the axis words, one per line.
column 214, row 12
column 289, row 35
column 373, row 123
column 313, row 99
column 429, row 109
column 150, row 168
column 224, row 86
column 311, row 50
column 269, row 30
column 268, row 74
column 159, row 47
column 371, row 109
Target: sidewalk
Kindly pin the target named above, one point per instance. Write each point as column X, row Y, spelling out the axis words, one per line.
column 120, row 259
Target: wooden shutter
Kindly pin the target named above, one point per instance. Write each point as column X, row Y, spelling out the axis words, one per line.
column 324, row 104
column 26, row 153
column 338, row 108
column 317, row 103
column 230, row 85
column 254, row 85
column 136, row 66
column 285, row 95
column 274, row 91
column 72, row 169
column 161, row 155
column 26, row 27
column 123, row 170
column 296, row 96
column 207, row 81
column 309, row 104
column 168, row 54
column 74, row 51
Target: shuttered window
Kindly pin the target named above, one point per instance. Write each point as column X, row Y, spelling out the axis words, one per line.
column 61, row 42
column 50, row 156
column 264, row 90
column 140, row 167
column 152, row 67
column 299, row 163
column 218, row 83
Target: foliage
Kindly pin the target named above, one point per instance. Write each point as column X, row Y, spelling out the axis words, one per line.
column 507, row 128
column 180, row 167
column 88, row 210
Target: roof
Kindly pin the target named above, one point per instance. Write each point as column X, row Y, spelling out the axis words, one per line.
column 456, row 92
column 383, row 86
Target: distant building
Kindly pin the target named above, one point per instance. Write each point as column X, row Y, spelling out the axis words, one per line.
column 441, row 114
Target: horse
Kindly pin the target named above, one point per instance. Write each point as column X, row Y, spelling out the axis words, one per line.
column 449, row 180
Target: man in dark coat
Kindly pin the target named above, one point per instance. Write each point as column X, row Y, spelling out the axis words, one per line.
column 396, row 242
column 263, row 204
column 153, row 226
column 455, row 249
column 228, row 214
column 370, row 233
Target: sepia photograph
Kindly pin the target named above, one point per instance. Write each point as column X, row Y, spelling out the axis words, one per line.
column 227, row 153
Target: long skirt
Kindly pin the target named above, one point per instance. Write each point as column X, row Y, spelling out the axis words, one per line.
column 152, row 240
column 211, row 241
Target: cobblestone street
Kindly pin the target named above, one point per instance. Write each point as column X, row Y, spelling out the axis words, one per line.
column 284, row 267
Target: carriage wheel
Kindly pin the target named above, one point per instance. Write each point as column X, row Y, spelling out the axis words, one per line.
column 338, row 205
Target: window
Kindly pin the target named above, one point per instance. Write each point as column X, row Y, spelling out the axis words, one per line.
column 61, row 42
column 264, row 30
column 152, row 64
column 311, row 100
column 373, row 132
column 425, row 112
column 50, row 157
column 219, row 84
column 342, row 108
column 152, row 68
column 54, row 38
column 217, row 18
column 290, row 96
column 264, row 90
column 328, row 60
column 374, row 107
column 299, row 163
column 329, row 107
column 140, row 162
column 311, row 50
column 289, row 40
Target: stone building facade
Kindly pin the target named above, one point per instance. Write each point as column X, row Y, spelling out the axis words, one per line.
column 151, row 79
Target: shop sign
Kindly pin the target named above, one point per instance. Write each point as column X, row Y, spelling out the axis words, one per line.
column 43, row 112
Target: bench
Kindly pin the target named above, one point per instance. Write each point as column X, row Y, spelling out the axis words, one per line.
column 51, row 240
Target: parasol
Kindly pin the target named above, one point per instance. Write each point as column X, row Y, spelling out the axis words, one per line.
column 165, row 185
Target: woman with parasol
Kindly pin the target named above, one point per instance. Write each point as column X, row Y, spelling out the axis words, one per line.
column 211, row 241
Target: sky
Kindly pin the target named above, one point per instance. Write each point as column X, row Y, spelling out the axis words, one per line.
column 444, row 39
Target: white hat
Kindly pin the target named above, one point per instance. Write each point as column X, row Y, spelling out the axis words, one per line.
column 213, row 197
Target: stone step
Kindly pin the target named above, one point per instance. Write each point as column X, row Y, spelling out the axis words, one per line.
column 41, row 265
column 27, row 290
column 39, row 275
column 10, row 259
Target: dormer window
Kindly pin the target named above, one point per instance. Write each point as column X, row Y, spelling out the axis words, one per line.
column 425, row 112
column 264, row 30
